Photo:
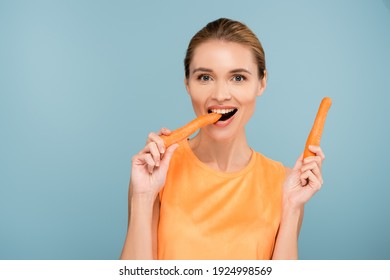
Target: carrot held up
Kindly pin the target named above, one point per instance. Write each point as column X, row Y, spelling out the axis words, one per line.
column 188, row 129
column 315, row 134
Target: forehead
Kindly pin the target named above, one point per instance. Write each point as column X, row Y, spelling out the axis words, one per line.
column 221, row 54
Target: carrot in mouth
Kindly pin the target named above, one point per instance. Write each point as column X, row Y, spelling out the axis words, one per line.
column 188, row 129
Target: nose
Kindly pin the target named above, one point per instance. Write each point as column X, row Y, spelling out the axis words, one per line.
column 221, row 92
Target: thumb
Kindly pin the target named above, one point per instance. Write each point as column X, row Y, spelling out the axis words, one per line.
column 168, row 155
column 298, row 163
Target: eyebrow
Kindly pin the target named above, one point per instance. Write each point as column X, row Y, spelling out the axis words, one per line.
column 201, row 69
column 238, row 70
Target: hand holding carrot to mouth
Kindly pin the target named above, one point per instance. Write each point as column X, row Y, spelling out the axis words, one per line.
column 151, row 163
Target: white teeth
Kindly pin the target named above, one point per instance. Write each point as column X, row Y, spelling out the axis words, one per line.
column 222, row 111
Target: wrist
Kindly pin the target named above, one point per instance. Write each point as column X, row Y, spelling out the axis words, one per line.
column 292, row 209
column 142, row 203
column 142, row 194
column 291, row 220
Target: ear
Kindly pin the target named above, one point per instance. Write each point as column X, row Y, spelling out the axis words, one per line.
column 187, row 85
column 263, row 84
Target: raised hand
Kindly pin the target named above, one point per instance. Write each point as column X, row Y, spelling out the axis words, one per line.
column 150, row 165
column 305, row 179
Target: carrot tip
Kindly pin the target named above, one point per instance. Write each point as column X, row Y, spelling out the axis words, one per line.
column 314, row 137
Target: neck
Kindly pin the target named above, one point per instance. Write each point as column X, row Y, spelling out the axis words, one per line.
column 229, row 155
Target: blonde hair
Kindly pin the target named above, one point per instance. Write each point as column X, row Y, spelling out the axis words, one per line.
column 231, row 31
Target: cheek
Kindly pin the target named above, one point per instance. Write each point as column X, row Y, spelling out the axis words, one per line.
column 247, row 96
column 248, row 99
column 199, row 96
column 198, row 102
column 248, row 102
column 248, row 93
column 250, row 105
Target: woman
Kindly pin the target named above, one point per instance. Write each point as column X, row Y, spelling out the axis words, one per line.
column 212, row 196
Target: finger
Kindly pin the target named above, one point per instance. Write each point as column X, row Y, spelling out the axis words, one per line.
column 145, row 150
column 150, row 164
column 168, row 155
column 318, row 151
column 298, row 163
column 313, row 167
column 316, row 159
column 152, row 150
column 155, row 153
column 137, row 160
column 165, row 131
column 309, row 179
column 153, row 137
column 145, row 159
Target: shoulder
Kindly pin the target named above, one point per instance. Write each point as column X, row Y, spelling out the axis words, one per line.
column 269, row 161
column 272, row 165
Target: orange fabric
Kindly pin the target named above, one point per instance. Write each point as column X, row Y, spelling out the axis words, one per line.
column 206, row 214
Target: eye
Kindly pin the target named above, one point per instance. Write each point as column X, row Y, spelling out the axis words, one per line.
column 239, row 78
column 204, row 77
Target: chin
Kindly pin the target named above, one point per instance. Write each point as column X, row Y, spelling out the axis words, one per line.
column 225, row 135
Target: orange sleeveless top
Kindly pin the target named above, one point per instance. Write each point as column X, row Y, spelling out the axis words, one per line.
column 207, row 214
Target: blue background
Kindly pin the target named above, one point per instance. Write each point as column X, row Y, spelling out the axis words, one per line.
column 82, row 83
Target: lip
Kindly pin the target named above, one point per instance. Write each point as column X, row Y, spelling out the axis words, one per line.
column 224, row 123
column 220, row 107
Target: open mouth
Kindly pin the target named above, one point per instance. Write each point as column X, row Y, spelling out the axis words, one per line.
column 226, row 113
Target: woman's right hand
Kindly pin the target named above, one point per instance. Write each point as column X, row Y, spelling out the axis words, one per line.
column 150, row 165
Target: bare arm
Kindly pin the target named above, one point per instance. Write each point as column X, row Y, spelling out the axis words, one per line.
column 148, row 174
column 301, row 183
column 286, row 246
column 141, row 238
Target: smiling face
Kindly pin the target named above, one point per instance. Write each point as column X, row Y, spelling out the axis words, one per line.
column 224, row 78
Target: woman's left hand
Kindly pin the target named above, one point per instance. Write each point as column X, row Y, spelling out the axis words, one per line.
column 304, row 180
